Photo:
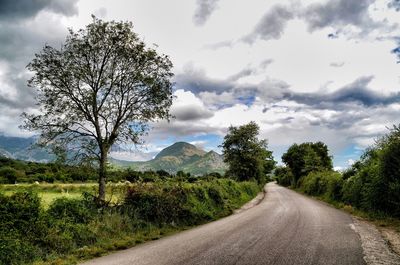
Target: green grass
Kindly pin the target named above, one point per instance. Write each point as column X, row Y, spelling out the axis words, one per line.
column 48, row 197
column 50, row 192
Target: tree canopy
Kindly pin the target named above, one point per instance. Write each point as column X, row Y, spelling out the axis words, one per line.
column 246, row 155
column 307, row 157
column 101, row 87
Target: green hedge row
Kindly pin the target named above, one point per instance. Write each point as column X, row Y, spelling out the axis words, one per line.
column 29, row 233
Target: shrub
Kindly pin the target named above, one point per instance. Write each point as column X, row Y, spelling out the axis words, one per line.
column 20, row 225
column 10, row 175
column 352, row 190
column 64, row 236
column 19, row 211
column 73, row 210
column 30, row 234
column 188, row 203
column 284, row 176
column 326, row 183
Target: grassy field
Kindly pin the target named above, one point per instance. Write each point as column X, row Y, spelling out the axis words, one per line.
column 50, row 192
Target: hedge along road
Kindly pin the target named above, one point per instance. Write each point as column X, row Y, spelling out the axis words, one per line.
column 285, row 228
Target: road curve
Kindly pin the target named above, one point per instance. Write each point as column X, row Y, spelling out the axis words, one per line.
column 285, row 228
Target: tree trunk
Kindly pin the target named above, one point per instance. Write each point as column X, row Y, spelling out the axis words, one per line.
column 102, row 176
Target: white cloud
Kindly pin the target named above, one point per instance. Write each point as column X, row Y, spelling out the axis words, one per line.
column 351, row 162
column 187, row 107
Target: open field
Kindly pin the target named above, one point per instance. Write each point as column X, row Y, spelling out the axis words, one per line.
column 50, row 192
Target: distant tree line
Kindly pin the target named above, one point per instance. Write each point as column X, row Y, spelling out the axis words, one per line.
column 16, row 171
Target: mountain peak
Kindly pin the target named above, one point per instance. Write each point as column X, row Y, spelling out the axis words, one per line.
column 180, row 149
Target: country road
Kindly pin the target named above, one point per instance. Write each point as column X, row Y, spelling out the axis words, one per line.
column 285, row 228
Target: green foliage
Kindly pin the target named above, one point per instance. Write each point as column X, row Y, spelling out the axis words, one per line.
column 283, row 176
column 327, row 184
column 19, row 226
column 305, row 158
column 247, row 157
column 102, row 86
column 187, row 204
column 15, row 171
column 10, row 175
column 73, row 210
column 373, row 183
column 80, row 228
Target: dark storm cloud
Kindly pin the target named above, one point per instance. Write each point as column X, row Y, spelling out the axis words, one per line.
column 196, row 81
column 218, row 93
column 341, row 120
column 191, row 113
column 243, row 73
column 339, row 13
column 176, row 128
column 394, row 4
column 21, row 9
column 356, row 92
column 333, row 13
column 19, row 42
column 273, row 90
column 203, row 11
column 271, row 25
column 24, row 30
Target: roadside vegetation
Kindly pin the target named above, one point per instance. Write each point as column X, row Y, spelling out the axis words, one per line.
column 62, row 223
column 71, row 229
column 369, row 188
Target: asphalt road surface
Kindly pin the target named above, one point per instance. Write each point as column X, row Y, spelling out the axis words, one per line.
column 285, row 228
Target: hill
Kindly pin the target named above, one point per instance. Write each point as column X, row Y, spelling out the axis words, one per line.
column 180, row 156
column 22, row 149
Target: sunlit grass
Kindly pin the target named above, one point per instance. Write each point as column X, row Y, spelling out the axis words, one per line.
column 49, row 192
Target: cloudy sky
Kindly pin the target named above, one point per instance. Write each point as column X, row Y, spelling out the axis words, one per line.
column 303, row 70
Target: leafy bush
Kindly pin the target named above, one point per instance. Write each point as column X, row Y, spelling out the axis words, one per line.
column 20, row 225
column 284, row 176
column 326, row 183
column 155, row 203
column 10, row 175
column 73, row 210
column 187, row 203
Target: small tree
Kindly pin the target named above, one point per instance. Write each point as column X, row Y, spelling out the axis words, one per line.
column 101, row 87
column 246, row 155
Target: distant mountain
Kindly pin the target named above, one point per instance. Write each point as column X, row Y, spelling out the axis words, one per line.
column 23, row 149
column 180, row 156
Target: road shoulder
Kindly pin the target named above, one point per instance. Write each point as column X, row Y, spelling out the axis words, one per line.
column 375, row 248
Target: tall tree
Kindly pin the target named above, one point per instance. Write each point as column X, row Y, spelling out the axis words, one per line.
column 101, row 87
column 246, row 155
column 307, row 157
